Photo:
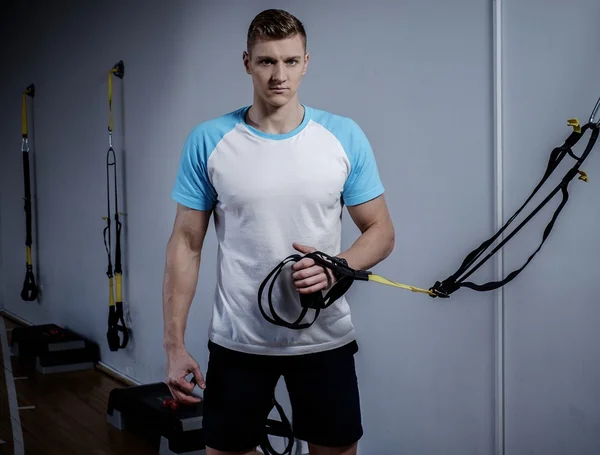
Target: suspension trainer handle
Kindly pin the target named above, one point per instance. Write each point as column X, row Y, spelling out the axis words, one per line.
column 116, row 325
column 318, row 302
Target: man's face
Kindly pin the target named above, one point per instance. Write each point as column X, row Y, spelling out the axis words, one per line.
column 277, row 68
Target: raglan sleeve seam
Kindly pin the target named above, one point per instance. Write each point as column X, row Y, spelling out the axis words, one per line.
column 193, row 187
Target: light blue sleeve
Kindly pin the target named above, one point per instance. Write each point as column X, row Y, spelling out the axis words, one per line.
column 363, row 182
column 193, row 187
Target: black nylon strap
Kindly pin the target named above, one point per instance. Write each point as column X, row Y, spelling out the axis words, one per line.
column 454, row 282
column 511, row 276
column 27, row 199
column 29, row 291
column 282, row 429
column 116, row 321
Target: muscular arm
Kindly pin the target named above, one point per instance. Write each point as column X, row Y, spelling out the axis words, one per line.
column 181, row 272
column 377, row 238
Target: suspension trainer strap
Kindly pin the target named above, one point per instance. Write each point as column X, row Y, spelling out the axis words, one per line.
column 116, row 321
column 457, row 280
column 282, row 429
column 29, row 292
column 346, row 275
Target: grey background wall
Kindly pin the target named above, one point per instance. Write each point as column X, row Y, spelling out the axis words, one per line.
column 417, row 76
column 552, row 312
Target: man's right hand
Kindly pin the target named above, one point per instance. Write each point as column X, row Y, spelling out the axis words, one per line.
column 179, row 365
column 180, row 281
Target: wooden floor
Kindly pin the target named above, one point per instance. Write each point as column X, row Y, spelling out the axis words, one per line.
column 61, row 413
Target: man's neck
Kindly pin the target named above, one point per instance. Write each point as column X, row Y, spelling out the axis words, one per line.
column 274, row 120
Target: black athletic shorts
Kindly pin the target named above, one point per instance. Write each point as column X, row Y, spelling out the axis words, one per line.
column 322, row 387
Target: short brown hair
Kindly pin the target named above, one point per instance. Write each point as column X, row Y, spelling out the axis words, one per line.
column 274, row 24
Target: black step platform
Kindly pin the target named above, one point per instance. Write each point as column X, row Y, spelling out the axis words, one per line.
column 53, row 349
column 148, row 410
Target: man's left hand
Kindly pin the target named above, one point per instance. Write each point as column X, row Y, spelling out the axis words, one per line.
column 309, row 276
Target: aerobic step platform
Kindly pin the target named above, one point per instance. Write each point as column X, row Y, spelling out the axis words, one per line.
column 53, row 349
column 150, row 411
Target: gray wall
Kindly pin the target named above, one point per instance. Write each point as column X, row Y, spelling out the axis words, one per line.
column 417, row 76
column 552, row 313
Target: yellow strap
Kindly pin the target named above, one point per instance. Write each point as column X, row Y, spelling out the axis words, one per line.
column 382, row 280
column 110, row 118
column 111, row 296
column 24, row 113
column 26, row 92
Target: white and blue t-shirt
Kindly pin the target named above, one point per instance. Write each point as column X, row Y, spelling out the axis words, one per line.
column 267, row 192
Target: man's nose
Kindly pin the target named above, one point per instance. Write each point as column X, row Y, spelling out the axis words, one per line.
column 279, row 73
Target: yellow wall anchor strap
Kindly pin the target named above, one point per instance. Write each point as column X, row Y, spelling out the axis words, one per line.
column 24, row 131
column 111, row 295
column 110, row 118
column 29, row 91
column 382, row 280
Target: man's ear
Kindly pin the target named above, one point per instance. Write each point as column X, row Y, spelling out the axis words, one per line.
column 306, row 58
column 246, row 59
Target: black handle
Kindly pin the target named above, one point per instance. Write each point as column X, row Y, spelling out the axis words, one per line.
column 29, row 293
column 312, row 301
column 115, row 315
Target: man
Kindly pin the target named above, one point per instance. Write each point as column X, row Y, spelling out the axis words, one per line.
column 276, row 175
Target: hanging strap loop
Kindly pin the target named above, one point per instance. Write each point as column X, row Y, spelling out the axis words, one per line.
column 458, row 279
column 29, row 291
column 116, row 321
